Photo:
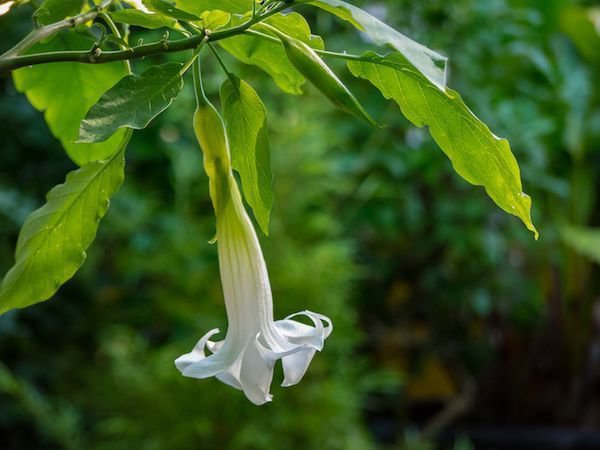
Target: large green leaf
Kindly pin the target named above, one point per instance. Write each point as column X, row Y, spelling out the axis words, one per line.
column 197, row 7
column 53, row 240
column 431, row 64
column 139, row 18
column 65, row 91
column 246, row 119
column 476, row 153
column 270, row 56
column 133, row 102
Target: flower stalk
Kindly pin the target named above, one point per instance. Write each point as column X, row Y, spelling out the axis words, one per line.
column 254, row 341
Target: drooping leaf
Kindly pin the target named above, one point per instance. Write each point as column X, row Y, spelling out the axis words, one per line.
column 133, row 102
column 246, row 119
column 65, row 91
column 139, row 18
column 314, row 69
column 197, row 7
column 54, row 239
column 270, row 56
column 476, row 153
column 51, row 11
column 431, row 64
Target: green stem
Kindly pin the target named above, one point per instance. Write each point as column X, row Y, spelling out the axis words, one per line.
column 346, row 56
column 201, row 98
column 50, row 30
column 221, row 62
column 115, row 30
column 13, row 61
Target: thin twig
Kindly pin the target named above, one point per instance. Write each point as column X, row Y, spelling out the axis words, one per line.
column 12, row 61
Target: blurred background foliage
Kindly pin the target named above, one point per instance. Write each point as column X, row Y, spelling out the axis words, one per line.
column 449, row 317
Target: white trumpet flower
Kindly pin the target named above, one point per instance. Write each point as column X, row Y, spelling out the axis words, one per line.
column 254, row 340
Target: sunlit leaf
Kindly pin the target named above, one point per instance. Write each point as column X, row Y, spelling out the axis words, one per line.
column 213, row 20
column 54, row 239
column 80, row 86
column 133, row 102
column 476, row 153
column 246, row 119
column 431, row 64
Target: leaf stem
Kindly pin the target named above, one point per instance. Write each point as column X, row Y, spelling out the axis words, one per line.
column 201, row 98
column 346, row 56
column 221, row 62
column 115, row 30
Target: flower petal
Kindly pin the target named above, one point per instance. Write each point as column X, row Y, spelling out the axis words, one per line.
column 197, row 352
column 256, row 375
column 302, row 334
column 295, row 366
column 231, row 376
column 219, row 362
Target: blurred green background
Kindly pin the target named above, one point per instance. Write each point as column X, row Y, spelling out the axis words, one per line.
column 453, row 327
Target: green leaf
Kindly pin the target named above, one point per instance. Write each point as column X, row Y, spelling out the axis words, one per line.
column 54, row 239
column 168, row 9
column 431, row 64
column 51, row 11
column 585, row 241
column 246, row 119
column 476, row 153
column 133, row 102
column 213, row 20
column 270, row 56
column 65, row 91
column 197, row 7
column 143, row 19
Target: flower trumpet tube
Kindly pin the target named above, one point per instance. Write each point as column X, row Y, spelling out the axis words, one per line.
column 254, row 340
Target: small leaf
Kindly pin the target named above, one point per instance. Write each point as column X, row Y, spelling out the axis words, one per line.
column 476, row 153
column 79, row 85
column 142, row 19
column 197, row 7
column 246, row 119
column 270, row 56
column 53, row 240
column 51, row 11
column 431, row 64
column 213, row 20
column 168, row 9
column 133, row 102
